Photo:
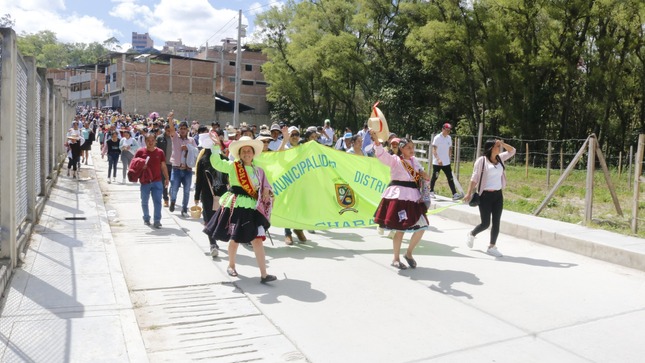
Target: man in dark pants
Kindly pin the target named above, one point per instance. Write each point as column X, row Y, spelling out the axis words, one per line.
column 441, row 150
column 165, row 144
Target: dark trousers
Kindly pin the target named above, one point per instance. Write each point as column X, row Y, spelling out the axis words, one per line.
column 491, row 205
column 163, row 181
column 435, row 175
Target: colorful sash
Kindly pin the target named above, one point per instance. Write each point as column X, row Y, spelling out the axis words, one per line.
column 244, row 179
column 416, row 176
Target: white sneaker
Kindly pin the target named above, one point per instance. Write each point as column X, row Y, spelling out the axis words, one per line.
column 380, row 231
column 470, row 240
column 457, row 196
column 432, row 195
column 109, row 181
column 494, row 252
column 214, row 252
column 123, row 181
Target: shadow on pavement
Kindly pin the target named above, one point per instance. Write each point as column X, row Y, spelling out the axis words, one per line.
column 270, row 293
column 444, row 278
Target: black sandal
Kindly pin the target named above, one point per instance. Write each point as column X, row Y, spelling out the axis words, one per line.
column 398, row 264
column 411, row 261
column 231, row 272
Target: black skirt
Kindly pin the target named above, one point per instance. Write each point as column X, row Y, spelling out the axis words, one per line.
column 240, row 226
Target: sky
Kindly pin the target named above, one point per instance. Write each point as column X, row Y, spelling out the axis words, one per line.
column 195, row 22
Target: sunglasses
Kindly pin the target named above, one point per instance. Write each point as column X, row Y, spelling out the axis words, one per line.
column 295, row 134
column 266, row 141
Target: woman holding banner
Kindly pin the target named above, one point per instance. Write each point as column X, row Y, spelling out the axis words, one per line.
column 246, row 208
column 401, row 208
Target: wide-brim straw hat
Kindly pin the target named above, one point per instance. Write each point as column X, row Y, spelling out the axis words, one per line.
column 378, row 123
column 243, row 141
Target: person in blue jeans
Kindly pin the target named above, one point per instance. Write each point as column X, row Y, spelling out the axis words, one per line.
column 183, row 157
column 152, row 183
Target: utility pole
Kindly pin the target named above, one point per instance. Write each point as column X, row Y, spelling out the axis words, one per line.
column 238, row 72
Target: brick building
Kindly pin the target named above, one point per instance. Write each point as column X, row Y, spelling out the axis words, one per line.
column 141, row 41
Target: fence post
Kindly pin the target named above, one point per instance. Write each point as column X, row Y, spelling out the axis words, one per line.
column 526, row 167
column 30, row 135
column 591, row 162
column 8, row 125
column 480, row 135
column 637, row 177
column 457, row 156
column 548, row 165
column 620, row 164
column 561, row 159
column 631, row 158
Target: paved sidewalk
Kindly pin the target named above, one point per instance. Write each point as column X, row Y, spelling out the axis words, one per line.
column 69, row 301
column 336, row 300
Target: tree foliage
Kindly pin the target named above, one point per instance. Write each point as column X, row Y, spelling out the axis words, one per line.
column 50, row 53
column 525, row 68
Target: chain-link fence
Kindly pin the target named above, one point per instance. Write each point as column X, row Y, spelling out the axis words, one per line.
column 32, row 129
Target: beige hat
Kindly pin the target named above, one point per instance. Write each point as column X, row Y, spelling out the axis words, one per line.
column 378, row 123
column 235, row 146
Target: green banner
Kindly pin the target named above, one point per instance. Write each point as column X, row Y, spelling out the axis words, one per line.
column 317, row 187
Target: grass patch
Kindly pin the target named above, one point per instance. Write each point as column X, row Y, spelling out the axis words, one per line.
column 525, row 194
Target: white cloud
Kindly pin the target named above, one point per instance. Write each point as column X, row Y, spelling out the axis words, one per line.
column 69, row 29
column 129, row 10
column 257, row 8
column 195, row 22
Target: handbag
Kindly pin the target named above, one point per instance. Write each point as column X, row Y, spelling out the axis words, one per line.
column 425, row 192
column 475, row 200
column 210, row 186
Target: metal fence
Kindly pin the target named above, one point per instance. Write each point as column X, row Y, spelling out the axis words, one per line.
column 33, row 115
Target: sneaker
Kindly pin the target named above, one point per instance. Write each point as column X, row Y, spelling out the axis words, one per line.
column 165, row 203
column 288, row 240
column 172, row 206
column 157, row 225
column 147, row 223
column 123, row 181
column 457, row 196
column 432, row 196
column 67, row 172
column 267, row 278
column 184, row 212
column 214, row 251
column 470, row 240
column 493, row 251
column 380, row 231
column 109, row 181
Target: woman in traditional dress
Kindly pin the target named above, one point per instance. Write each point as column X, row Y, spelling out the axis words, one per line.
column 244, row 215
column 401, row 208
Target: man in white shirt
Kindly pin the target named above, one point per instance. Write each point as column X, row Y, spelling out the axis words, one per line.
column 441, row 150
column 329, row 132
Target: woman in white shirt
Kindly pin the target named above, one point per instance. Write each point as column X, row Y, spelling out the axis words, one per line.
column 489, row 176
column 128, row 147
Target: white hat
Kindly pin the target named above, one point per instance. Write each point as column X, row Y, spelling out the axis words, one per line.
column 235, row 146
column 275, row 127
column 292, row 129
column 378, row 123
column 205, row 140
column 312, row 129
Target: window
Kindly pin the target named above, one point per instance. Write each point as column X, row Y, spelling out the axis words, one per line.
column 231, row 63
column 261, row 83
column 231, row 79
column 246, row 82
column 248, row 67
column 114, row 77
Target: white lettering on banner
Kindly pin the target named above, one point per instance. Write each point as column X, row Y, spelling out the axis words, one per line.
column 369, row 181
column 345, row 224
column 295, row 172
